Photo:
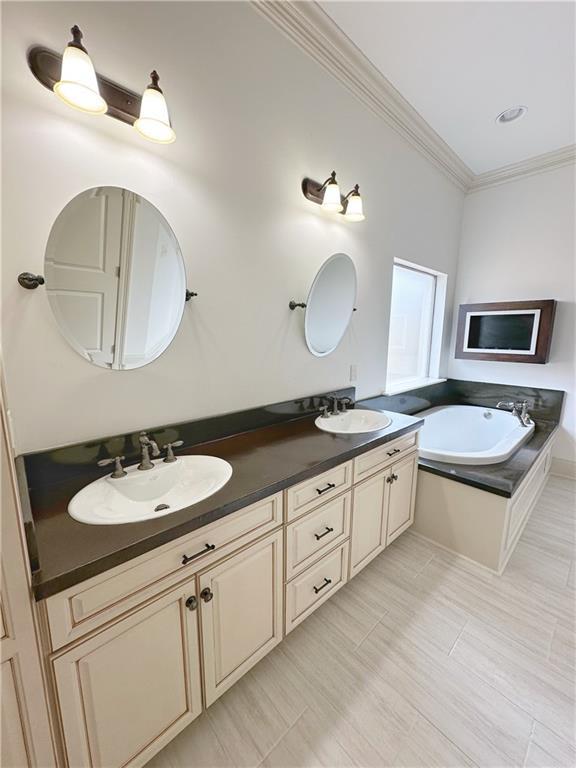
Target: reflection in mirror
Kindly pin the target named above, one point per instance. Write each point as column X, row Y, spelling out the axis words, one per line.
column 115, row 278
column 330, row 304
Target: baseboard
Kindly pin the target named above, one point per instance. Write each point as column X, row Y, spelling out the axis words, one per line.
column 457, row 555
column 563, row 468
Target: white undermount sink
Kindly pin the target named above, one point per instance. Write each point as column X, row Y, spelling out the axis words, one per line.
column 144, row 495
column 354, row 422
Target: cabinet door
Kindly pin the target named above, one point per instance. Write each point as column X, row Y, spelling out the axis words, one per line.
column 368, row 521
column 402, row 495
column 126, row 692
column 241, row 606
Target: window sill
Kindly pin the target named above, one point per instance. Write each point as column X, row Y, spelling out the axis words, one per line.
column 406, row 386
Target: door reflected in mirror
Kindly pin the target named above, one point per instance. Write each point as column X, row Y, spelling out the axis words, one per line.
column 330, row 304
column 115, row 278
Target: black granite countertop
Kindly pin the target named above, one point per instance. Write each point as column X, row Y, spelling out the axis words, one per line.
column 266, row 460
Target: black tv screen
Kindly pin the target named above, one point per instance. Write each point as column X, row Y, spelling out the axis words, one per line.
column 505, row 332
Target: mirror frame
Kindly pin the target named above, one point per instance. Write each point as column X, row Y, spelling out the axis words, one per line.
column 317, row 277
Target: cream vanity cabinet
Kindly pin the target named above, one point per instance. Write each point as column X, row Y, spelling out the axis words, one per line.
column 383, row 502
column 136, row 653
column 135, row 681
column 130, row 689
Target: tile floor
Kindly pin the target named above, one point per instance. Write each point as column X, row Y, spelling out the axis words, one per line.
column 422, row 660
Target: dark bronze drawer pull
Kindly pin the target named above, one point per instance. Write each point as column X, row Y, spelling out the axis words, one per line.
column 191, row 603
column 393, row 452
column 206, row 594
column 321, row 535
column 188, row 558
column 321, row 587
column 320, row 491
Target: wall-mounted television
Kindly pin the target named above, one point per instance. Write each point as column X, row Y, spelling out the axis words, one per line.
column 511, row 331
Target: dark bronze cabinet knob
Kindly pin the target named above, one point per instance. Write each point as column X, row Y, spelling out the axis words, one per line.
column 206, row 594
column 192, row 603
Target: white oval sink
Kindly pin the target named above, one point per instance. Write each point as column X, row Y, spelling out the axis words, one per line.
column 144, row 495
column 354, row 422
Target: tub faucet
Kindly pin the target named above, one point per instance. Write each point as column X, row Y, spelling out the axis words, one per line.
column 518, row 409
column 147, row 445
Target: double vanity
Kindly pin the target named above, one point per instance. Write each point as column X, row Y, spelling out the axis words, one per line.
column 195, row 597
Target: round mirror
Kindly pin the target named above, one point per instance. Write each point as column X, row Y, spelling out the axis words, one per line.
column 330, row 304
column 115, row 278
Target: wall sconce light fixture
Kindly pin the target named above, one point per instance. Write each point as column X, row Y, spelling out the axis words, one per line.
column 78, row 86
column 353, row 209
column 73, row 78
column 328, row 196
column 154, row 121
column 331, row 199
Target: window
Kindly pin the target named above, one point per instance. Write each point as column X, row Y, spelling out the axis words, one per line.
column 416, row 323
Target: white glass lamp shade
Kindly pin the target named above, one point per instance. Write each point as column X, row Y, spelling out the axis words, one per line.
column 154, row 121
column 331, row 200
column 354, row 208
column 78, row 86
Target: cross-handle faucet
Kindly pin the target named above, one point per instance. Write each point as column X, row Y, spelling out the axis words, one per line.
column 169, row 448
column 119, row 470
column 518, row 409
column 147, row 445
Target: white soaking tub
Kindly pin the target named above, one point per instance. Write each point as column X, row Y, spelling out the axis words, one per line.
column 469, row 434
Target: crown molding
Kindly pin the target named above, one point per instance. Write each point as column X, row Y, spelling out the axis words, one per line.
column 307, row 25
column 539, row 164
column 313, row 31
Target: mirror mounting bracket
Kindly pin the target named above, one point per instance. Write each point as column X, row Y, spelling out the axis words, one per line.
column 190, row 294
column 29, row 280
column 294, row 304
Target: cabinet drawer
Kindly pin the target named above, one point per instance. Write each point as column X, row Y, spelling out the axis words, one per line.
column 310, row 589
column 373, row 461
column 311, row 493
column 86, row 606
column 315, row 533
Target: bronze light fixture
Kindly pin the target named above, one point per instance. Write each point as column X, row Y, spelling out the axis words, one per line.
column 74, row 80
column 328, row 196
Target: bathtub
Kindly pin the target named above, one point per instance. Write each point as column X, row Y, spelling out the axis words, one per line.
column 469, row 434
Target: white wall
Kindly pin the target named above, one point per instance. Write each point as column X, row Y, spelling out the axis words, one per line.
column 253, row 116
column 518, row 243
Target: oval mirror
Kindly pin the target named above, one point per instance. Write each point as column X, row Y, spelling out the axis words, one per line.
column 330, row 304
column 115, row 278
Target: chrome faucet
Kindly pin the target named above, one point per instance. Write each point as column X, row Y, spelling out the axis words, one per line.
column 147, row 445
column 518, row 409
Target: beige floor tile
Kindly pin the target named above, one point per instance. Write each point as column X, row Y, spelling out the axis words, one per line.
column 349, row 614
column 248, row 722
column 479, row 720
column 491, row 599
column 563, row 649
column 323, row 739
column 547, row 750
column 531, row 563
column 427, row 747
column 521, row 676
column 196, row 747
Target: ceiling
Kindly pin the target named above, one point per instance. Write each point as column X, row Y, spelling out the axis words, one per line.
column 460, row 64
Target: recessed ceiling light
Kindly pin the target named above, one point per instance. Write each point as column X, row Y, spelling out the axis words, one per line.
column 510, row 115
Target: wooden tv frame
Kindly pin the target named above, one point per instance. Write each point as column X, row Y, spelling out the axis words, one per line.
column 547, row 308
